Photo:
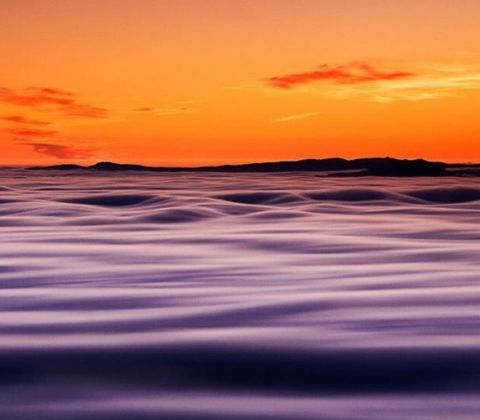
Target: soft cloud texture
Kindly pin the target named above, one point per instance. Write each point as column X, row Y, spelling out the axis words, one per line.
column 27, row 131
column 364, row 81
column 345, row 74
column 31, row 132
column 59, row 151
column 19, row 119
column 183, row 107
column 295, row 117
column 50, row 99
column 144, row 109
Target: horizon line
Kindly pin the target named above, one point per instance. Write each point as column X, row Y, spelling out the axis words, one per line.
column 448, row 162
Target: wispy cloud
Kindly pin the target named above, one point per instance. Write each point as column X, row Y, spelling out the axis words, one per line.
column 19, row 119
column 436, row 84
column 175, row 111
column 185, row 107
column 31, row 132
column 59, row 151
column 295, row 117
column 46, row 101
column 353, row 73
column 145, row 109
column 50, row 99
column 363, row 81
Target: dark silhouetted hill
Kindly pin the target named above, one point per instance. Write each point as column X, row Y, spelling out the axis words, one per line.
column 390, row 167
column 111, row 166
column 64, row 167
column 384, row 166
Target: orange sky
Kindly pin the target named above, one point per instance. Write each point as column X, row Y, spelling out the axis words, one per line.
column 191, row 82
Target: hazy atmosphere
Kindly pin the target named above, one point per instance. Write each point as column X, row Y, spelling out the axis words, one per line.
column 191, row 82
column 239, row 210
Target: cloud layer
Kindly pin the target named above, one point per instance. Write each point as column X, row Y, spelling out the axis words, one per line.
column 295, row 117
column 361, row 80
column 346, row 74
column 185, row 107
column 20, row 119
column 50, row 99
column 31, row 132
column 28, row 131
column 59, row 151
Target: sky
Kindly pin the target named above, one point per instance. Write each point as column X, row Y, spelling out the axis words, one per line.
column 190, row 82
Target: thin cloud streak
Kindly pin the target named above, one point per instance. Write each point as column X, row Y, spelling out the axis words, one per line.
column 144, row 109
column 21, row 132
column 295, row 117
column 437, row 85
column 353, row 73
column 167, row 110
column 19, row 119
column 59, row 151
column 427, row 83
column 50, row 99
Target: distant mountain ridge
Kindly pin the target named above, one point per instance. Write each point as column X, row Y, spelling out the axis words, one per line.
column 377, row 166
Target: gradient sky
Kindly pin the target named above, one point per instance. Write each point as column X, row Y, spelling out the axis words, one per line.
column 191, row 82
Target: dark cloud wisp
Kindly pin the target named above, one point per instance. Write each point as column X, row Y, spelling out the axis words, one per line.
column 353, row 73
column 59, row 151
column 19, row 119
column 48, row 99
column 31, row 132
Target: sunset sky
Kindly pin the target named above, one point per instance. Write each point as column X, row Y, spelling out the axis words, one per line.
column 192, row 82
